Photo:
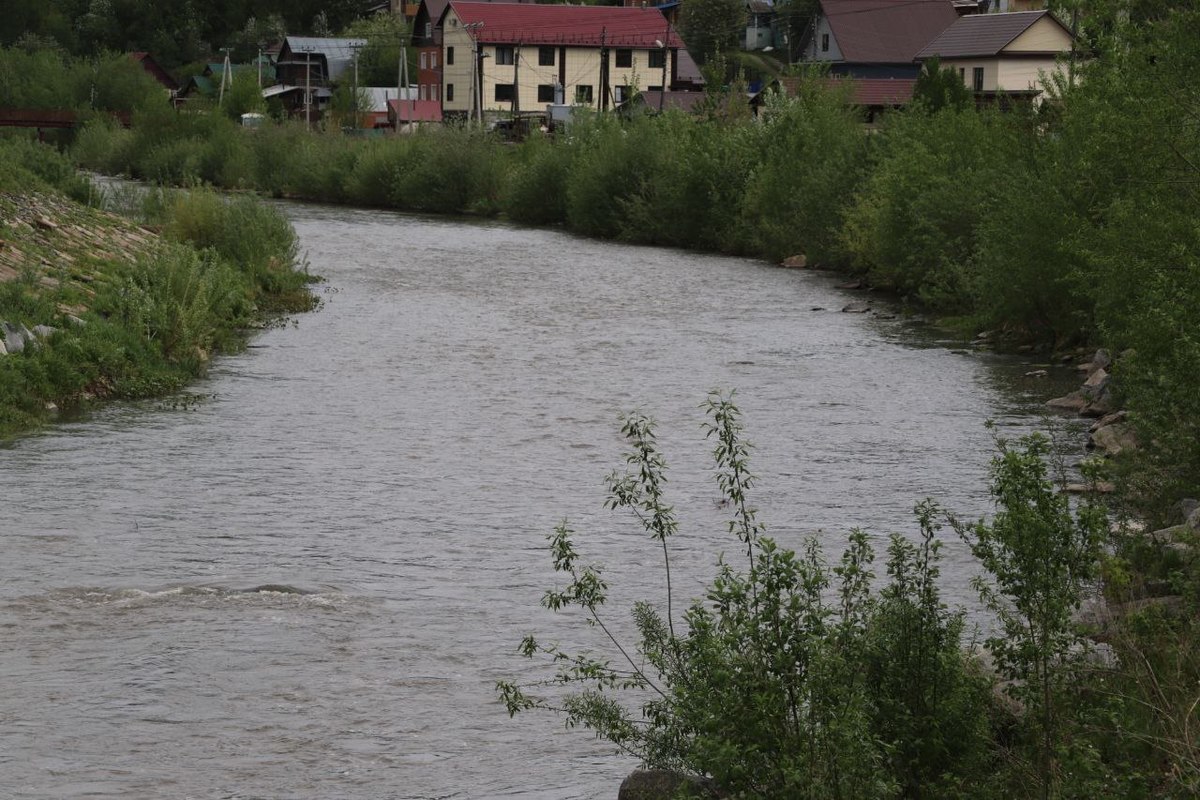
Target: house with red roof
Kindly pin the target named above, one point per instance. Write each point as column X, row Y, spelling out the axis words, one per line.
column 1002, row 57
column 515, row 58
column 875, row 38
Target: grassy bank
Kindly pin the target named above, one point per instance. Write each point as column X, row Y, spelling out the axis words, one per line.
column 119, row 308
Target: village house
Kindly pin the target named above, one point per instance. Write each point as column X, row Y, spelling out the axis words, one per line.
column 505, row 58
column 427, row 39
column 875, row 38
column 306, row 68
column 1002, row 57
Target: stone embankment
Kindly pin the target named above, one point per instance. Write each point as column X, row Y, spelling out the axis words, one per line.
column 62, row 247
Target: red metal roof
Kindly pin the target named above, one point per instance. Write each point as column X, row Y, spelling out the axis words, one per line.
column 886, row 31
column 583, row 26
column 882, row 91
column 415, row 110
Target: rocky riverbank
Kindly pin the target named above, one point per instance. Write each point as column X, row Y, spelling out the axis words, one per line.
column 95, row 305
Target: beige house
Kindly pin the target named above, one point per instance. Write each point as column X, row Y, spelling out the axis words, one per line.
column 504, row 58
column 1002, row 54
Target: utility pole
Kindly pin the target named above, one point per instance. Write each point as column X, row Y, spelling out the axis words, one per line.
column 308, row 89
column 401, row 98
column 472, row 29
column 354, row 102
column 516, row 104
column 603, row 69
column 259, row 62
column 225, row 69
column 662, row 95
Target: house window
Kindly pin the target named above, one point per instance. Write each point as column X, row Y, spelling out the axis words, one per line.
column 583, row 93
column 424, row 92
column 449, row 92
column 658, row 59
column 449, row 56
column 624, row 58
column 962, row 73
column 545, row 93
column 433, row 60
column 504, row 55
column 428, row 30
column 424, row 61
column 824, row 42
column 545, row 56
column 977, row 75
column 504, row 93
column 620, row 94
column 434, row 92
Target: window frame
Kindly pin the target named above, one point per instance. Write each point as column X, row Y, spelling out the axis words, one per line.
column 511, row 92
column 505, row 55
column 546, row 56
column 624, row 54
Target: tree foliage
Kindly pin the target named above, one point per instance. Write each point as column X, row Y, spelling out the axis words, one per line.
column 711, row 27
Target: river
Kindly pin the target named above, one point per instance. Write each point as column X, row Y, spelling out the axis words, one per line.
column 398, row 458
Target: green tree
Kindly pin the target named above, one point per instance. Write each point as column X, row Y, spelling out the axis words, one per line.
column 939, row 88
column 710, row 27
column 379, row 60
column 791, row 679
column 243, row 95
column 1040, row 557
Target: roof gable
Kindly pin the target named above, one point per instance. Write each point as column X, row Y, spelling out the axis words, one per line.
column 581, row 26
column 885, row 31
column 986, row 35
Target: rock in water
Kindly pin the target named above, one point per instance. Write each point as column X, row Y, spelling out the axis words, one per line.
column 665, row 784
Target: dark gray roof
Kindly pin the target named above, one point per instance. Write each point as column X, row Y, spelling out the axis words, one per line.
column 885, row 31
column 982, row 34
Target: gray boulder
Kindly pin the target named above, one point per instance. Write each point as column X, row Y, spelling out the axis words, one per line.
column 1185, row 508
column 1096, row 384
column 1075, row 401
column 14, row 337
column 44, row 331
column 1113, row 439
column 665, row 784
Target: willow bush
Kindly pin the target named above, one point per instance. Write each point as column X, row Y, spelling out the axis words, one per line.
column 812, row 156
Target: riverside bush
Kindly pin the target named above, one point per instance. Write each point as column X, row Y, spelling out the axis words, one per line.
column 611, row 165
column 536, row 190
column 812, row 157
column 451, row 171
column 913, row 224
column 791, row 678
column 697, row 178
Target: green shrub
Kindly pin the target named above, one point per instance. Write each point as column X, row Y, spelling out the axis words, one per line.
column 812, row 158
column 791, row 679
column 537, row 186
column 371, row 182
column 610, row 169
column 913, row 224
column 452, row 171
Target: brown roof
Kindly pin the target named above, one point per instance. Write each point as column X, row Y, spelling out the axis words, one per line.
column 684, row 101
column 583, row 26
column 886, row 31
column 882, row 91
column 869, row 92
column 982, row 34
